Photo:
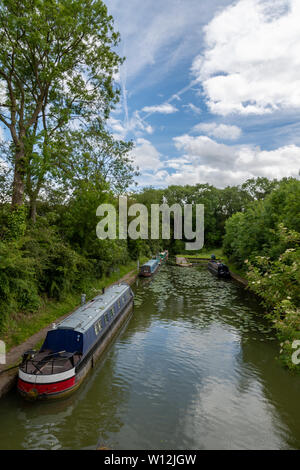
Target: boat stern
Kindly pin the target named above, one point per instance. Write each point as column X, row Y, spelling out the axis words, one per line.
column 34, row 387
column 46, row 375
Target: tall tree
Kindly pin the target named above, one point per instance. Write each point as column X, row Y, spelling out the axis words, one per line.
column 92, row 154
column 56, row 60
column 259, row 188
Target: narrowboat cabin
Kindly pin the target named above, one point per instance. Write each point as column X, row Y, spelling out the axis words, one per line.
column 72, row 346
column 149, row 268
column 218, row 268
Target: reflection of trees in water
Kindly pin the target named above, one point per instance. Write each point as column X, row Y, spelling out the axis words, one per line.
column 280, row 387
column 196, row 296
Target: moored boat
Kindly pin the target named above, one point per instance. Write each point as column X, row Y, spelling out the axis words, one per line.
column 218, row 268
column 182, row 262
column 72, row 346
column 149, row 268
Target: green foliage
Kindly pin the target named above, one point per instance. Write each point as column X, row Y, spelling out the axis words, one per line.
column 254, row 232
column 259, row 188
column 59, row 269
column 16, row 223
column 18, row 286
column 92, row 154
column 277, row 282
column 265, row 239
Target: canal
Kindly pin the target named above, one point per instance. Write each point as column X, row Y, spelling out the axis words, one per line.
column 193, row 368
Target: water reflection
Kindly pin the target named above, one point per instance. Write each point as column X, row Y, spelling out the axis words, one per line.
column 195, row 368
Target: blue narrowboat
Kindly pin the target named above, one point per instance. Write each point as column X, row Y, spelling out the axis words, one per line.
column 72, row 346
column 149, row 268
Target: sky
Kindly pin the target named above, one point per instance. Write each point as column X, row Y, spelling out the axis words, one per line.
column 210, row 89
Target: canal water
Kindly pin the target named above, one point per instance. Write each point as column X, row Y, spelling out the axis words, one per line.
column 193, row 368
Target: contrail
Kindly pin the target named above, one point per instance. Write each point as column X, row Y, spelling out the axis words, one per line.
column 123, row 76
column 123, row 79
column 173, row 97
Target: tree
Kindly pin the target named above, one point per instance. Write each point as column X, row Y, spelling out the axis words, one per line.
column 259, row 188
column 41, row 162
column 255, row 231
column 56, row 61
column 92, row 154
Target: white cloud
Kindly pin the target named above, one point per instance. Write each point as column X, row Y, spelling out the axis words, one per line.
column 117, row 127
column 251, row 61
column 192, row 108
column 220, row 131
column 208, row 161
column 135, row 124
column 176, row 163
column 165, row 108
column 204, row 151
column 145, row 155
column 204, row 174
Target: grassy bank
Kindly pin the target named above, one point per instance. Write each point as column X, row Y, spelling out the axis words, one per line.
column 204, row 253
column 21, row 326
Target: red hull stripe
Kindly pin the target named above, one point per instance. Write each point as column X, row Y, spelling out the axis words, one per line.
column 56, row 387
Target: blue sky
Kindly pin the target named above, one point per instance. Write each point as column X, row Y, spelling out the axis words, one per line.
column 210, row 89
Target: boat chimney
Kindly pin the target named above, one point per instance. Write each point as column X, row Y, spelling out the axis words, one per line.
column 83, row 299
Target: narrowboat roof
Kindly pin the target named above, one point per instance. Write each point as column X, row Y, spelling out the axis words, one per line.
column 151, row 262
column 82, row 319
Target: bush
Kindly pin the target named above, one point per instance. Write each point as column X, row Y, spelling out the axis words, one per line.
column 59, row 269
column 277, row 282
column 18, row 283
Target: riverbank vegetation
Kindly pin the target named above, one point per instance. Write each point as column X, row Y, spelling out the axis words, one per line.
column 264, row 240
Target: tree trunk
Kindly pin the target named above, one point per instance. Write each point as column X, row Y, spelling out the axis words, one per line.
column 33, row 210
column 19, row 174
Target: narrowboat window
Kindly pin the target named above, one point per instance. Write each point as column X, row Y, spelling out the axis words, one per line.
column 106, row 318
column 98, row 327
column 119, row 305
column 112, row 312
